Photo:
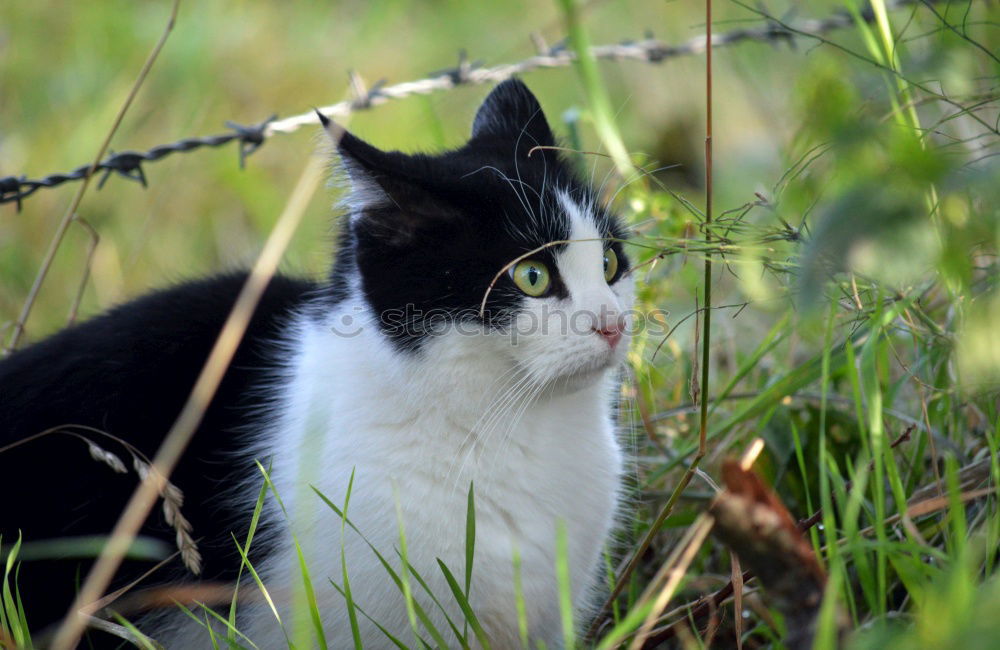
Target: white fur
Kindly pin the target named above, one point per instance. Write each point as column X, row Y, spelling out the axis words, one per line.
column 529, row 423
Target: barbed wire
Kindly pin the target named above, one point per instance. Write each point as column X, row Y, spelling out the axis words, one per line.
column 14, row 189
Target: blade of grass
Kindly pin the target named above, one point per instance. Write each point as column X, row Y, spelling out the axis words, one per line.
column 565, row 587
column 254, row 522
column 200, row 622
column 262, row 588
column 522, row 610
column 463, row 603
column 956, row 512
column 826, row 635
column 871, row 391
column 871, row 584
column 138, row 638
column 230, row 628
column 633, row 619
column 13, row 620
column 314, row 615
column 299, row 636
column 231, row 643
column 211, row 633
column 470, row 544
column 804, row 475
column 22, row 616
column 775, row 336
column 396, row 642
column 348, row 597
column 788, row 384
column 404, row 574
column 461, row 637
column 594, row 89
column 421, row 614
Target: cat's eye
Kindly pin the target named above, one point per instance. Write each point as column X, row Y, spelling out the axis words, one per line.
column 531, row 277
column 610, row 264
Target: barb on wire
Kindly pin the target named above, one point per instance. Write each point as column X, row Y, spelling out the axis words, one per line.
column 14, row 189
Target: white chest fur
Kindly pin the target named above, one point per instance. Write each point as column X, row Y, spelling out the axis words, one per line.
column 416, row 430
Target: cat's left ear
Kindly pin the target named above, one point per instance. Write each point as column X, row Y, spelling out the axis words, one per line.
column 511, row 112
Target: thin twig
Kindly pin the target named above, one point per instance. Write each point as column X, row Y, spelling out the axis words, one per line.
column 707, row 323
column 95, row 239
column 67, row 218
column 703, row 432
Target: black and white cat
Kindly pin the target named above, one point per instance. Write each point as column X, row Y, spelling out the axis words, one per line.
column 389, row 370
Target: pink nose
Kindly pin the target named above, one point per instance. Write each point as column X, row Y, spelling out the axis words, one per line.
column 612, row 333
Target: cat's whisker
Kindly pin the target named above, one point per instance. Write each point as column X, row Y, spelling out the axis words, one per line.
column 522, row 401
column 496, row 405
column 641, row 173
column 517, row 167
column 608, row 175
column 499, row 410
column 541, row 194
column 482, row 435
column 521, row 196
column 529, row 395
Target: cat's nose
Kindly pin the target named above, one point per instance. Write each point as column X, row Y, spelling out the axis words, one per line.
column 611, row 330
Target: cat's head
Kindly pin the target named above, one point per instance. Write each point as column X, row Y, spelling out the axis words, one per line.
column 496, row 241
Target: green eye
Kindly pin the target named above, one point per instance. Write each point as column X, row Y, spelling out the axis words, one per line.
column 610, row 264
column 531, row 277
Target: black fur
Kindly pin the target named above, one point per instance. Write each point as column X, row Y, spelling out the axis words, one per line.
column 128, row 373
column 430, row 236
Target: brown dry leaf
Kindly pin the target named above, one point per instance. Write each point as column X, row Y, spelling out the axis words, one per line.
column 756, row 526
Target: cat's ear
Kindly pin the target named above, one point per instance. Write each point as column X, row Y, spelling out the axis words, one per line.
column 368, row 170
column 386, row 194
column 511, row 112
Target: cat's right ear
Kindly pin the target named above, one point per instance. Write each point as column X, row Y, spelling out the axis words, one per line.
column 365, row 168
column 385, row 192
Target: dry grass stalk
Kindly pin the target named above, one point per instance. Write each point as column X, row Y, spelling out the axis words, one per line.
column 105, row 457
column 671, row 574
column 173, row 496
column 138, row 640
column 173, row 500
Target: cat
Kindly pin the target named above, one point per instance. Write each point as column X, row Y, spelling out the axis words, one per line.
column 470, row 337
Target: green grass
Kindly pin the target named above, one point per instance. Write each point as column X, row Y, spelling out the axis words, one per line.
column 13, row 621
column 863, row 269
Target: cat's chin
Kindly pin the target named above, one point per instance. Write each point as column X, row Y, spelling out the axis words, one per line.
column 581, row 380
column 585, row 376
